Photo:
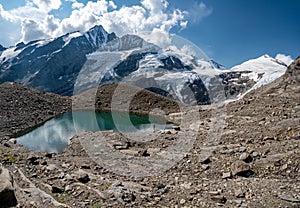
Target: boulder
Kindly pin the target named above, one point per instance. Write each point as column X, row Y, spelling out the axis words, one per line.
column 241, row 168
column 7, row 191
column 82, row 176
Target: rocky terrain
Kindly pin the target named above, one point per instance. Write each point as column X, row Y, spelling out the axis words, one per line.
column 252, row 159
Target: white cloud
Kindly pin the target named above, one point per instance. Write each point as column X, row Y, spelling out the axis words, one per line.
column 19, row 14
column 285, row 59
column 149, row 15
column 157, row 37
column 154, row 6
column 32, row 31
column 75, row 4
column 198, row 11
column 112, row 5
column 47, row 5
column 51, row 24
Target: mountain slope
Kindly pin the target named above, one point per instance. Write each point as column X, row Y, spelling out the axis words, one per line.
column 251, row 75
column 23, row 108
column 77, row 62
column 286, row 85
column 51, row 65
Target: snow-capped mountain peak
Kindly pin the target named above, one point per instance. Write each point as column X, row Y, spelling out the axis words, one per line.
column 78, row 61
column 258, row 71
column 97, row 36
column 129, row 43
column 52, row 64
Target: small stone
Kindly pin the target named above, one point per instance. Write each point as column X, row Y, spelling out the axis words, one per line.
column 50, row 112
column 56, row 189
column 52, row 167
column 153, row 151
column 238, row 201
column 157, row 199
column 205, row 167
column 239, row 193
column 13, row 141
column 219, row 199
column 266, row 151
column 289, row 198
column 6, row 144
column 68, row 177
column 130, row 152
column 177, row 128
column 32, row 159
column 49, row 155
column 86, row 167
column 213, row 193
column 240, row 168
column 284, row 167
column 121, row 146
column 204, row 160
column 242, row 149
column 61, row 175
column 182, row 201
column 226, row 175
column 246, row 157
column 255, row 154
column 82, row 176
column 268, row 138
column 68, row 188
column 160, row 186
column 44, row 162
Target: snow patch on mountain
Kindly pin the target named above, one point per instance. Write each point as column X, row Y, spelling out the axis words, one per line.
column 67, row 38
column 263, row 70
column 8, row 54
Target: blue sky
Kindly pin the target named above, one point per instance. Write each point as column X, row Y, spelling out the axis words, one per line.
column 229, row 32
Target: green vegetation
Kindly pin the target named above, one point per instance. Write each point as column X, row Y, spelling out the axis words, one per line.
column 7, row 157
column 96, row 205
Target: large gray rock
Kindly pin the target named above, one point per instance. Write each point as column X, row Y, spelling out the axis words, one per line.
column 241, row 168
column 7, row 191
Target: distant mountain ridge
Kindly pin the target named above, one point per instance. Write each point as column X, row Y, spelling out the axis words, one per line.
column 41, row 64
column 84, row 60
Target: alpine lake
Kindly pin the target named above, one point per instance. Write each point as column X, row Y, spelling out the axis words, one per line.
column 55, row 134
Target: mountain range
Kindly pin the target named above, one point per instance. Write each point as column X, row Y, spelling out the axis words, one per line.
column 76, row 61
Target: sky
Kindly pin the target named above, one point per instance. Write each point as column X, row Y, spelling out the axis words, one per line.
column 230, row 32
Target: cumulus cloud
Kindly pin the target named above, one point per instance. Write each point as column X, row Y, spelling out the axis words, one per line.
column 285, row 59
column 154, row 6
column 32, row 31
column 150, row 15
column 19, row 14
column 47, row 5
column 76, row 4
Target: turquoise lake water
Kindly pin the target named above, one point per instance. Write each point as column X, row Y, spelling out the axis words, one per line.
column 54, row 135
